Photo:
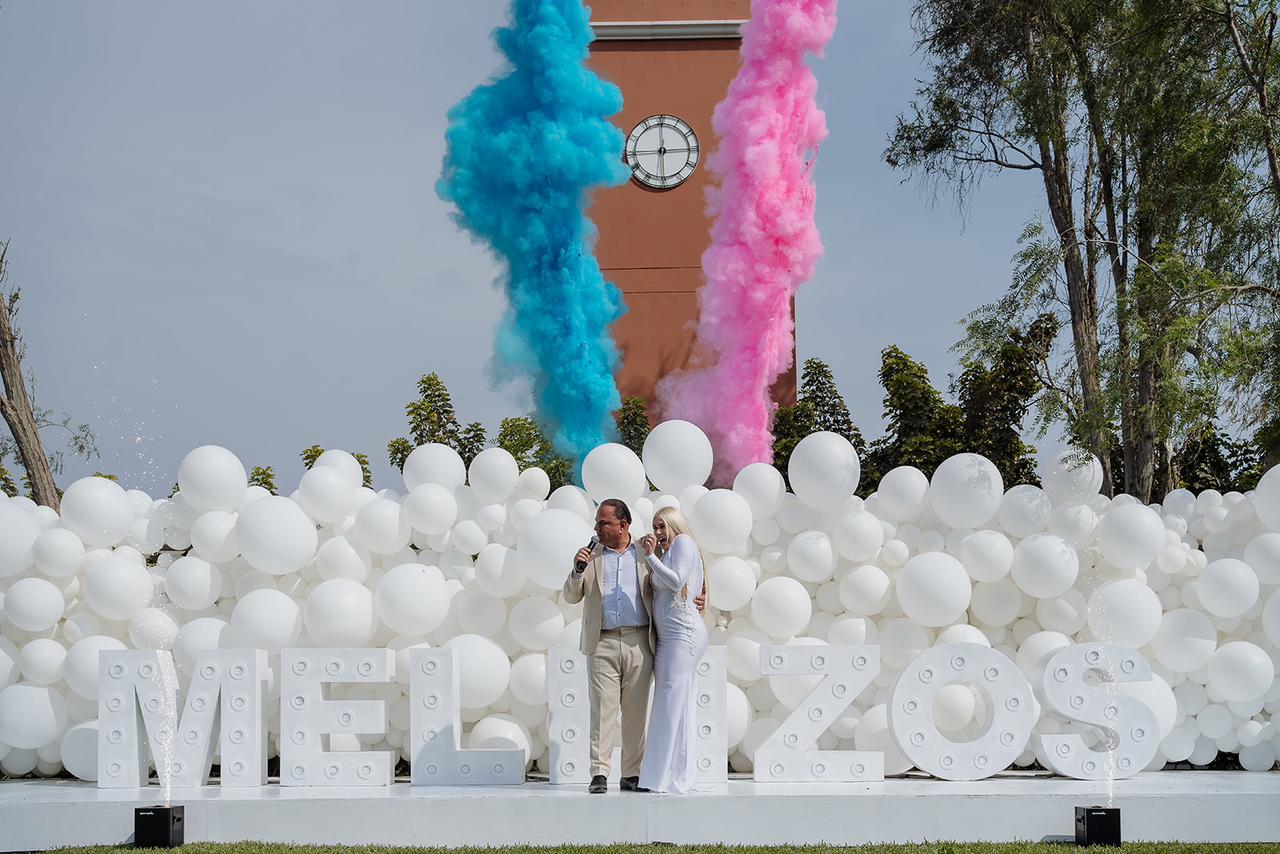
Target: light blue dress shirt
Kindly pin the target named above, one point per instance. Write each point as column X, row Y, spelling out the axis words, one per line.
column 620, row 589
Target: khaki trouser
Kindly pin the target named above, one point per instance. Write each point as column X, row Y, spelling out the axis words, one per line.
column 619, row 676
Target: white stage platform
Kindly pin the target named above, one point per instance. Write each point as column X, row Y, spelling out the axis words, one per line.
column 1170, row 805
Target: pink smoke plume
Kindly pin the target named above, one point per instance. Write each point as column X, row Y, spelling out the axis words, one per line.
column 764, row 242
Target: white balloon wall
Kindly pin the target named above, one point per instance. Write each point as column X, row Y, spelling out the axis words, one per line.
column 473, row 558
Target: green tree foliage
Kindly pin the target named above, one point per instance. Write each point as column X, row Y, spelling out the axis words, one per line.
column 471, row 441
column 265, row 477
column 7, row 486
column 398, row 451
column 995, row 398
column 830, row 412
column 819, row 406
column 522, row 438
column 633, row 423
column 1215, row 461
column 1147, row 126
column 922, row 428
column 790, row 425
column 310, row 455
column 432, row 419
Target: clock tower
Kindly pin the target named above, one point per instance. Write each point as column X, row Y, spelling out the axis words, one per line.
column 673, row 61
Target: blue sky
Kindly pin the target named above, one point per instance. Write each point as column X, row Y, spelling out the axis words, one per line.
column 223, row 220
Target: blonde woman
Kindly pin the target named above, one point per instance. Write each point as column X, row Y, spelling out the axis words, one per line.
column 675, row 562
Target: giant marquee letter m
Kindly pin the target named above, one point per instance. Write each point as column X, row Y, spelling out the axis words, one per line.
column 139, row 692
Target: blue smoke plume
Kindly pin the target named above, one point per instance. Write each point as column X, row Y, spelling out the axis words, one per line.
column 523, row 152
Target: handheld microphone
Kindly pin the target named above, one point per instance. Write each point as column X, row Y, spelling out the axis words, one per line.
column 580, row 565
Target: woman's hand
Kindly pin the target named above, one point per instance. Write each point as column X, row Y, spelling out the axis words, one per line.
column 649, row 543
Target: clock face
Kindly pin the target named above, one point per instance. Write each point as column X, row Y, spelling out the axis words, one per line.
column 662, row 152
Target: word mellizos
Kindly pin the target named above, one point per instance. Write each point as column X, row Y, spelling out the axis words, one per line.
column 226, row 698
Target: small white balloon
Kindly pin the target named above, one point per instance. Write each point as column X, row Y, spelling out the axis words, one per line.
column 382, row 526
column 730, row 583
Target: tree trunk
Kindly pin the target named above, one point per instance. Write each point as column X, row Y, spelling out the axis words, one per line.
column 1115, row 248
column 1082, row 302
column 15, row 405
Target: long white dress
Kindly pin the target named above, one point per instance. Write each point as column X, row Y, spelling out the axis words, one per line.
column 670, row 754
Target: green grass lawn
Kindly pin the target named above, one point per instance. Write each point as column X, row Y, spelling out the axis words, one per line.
column 931, row 848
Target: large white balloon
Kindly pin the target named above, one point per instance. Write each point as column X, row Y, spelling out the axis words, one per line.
column 763, row 487
column 613, row 471
column 1266, row 499
column 193, row 583
column 57, row 552
column 1130, row 536
column 493, row 475
column 326, row 494
column 266, row 619
column 781, row 607
column 966, row 491
column 824, row 470
column 212, row 478
column 1239, row 672
column 1072, row 477
column 547, row 545
column 34, row 604
column 721, row 521
column 483, row 670
column 95, row 509
column 339, row 613
column 1045, row 566
column 18, row 533
column 80, row 668
column 933, row 589
column 1124, row 612
column 275, row 536
column 117, row 588
column 1227, row 588
column 730, row 583
column 677, row 455
column 31, row 716
column 1185, row 641
column 903, row 494
column 434, row 463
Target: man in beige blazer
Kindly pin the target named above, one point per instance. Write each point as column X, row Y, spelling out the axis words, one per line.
column 617, row 638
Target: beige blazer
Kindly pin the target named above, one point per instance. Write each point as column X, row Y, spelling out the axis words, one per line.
column 587, row 589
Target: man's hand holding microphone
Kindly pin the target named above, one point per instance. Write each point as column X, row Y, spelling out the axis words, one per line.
column 584, row 555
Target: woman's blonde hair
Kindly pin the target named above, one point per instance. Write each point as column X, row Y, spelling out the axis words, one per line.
column 677, row 524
